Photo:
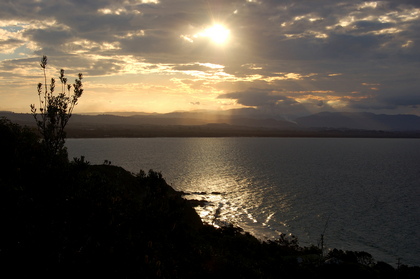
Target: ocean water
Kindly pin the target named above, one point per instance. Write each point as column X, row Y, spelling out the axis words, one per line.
column 361, row 194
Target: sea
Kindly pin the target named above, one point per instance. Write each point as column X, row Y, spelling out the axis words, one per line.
column 359, row 194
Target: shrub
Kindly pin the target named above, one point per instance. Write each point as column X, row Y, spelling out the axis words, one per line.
column 55, row 110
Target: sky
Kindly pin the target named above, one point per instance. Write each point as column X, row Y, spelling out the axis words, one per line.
column 289, row 58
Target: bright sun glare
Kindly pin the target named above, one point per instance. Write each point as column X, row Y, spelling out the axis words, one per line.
column 217, row 33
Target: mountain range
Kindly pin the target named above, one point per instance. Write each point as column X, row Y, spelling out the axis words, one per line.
column 238, row 120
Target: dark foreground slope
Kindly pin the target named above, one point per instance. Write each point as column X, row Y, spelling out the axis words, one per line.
column 72, row 219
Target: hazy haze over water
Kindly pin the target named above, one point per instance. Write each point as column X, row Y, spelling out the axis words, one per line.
column 365, row 193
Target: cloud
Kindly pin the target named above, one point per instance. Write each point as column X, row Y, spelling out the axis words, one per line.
column 269, row 30
column 9, row 45
column 270, row 102
column 255, row 97
column 286, row 55
column 49, row 37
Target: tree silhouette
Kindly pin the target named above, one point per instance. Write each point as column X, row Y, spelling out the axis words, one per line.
column 55, row 110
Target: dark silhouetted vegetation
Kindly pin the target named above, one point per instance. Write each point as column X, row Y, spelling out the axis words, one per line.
column 55, row 110
column 80, row 220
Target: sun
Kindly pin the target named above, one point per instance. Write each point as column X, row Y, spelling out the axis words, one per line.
column 217, row 34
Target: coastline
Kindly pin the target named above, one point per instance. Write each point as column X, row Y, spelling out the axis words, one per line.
column 87, row 220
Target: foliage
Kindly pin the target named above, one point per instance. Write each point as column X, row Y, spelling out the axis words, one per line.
column 55, row 110
column 19, row 149
column 80, row 161
column 288, row 241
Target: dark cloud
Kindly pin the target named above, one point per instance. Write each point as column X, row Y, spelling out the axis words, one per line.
column 52, row 37
column 268, row 102
column 257, row 97
column 191, row 67
column 9, row 43
column 404, row 100
column 257, row 27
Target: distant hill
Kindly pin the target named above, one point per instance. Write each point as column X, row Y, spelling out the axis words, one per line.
column 234, row 124
column 362, row 121
column 177, row 118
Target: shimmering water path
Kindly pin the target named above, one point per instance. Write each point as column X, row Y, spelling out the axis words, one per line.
column 364, row 193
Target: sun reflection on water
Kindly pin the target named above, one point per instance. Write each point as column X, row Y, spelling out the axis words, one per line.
column 229, row 200
column 221, row 180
